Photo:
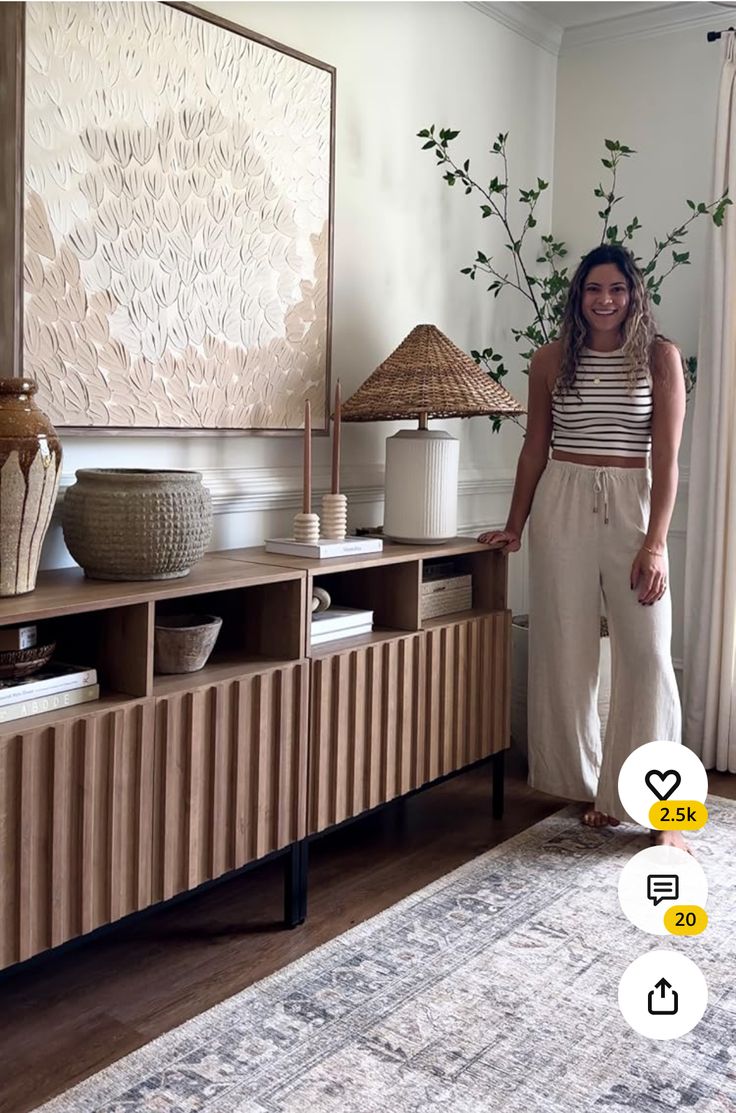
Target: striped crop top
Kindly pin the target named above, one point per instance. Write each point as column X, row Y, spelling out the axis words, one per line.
column 600, row 416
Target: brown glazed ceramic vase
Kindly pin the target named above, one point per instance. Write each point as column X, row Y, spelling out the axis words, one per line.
column 30, row 470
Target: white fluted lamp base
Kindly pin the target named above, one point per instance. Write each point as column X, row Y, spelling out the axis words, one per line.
column 421, row 486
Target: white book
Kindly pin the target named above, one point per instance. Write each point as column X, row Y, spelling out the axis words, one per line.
column 46, row 682
column 338, row 618
column 324, row 548
column 338, row 635
column 55, row 702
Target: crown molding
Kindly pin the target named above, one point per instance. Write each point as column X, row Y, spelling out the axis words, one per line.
column 522, row 19
column 531, row 25
column 660, row 21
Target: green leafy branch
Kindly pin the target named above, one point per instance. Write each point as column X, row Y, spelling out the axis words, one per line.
column 545, row 291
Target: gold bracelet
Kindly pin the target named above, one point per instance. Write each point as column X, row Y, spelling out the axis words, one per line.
column 654, row 552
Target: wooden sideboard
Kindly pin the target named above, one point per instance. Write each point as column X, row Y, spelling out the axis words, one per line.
column 168, row 782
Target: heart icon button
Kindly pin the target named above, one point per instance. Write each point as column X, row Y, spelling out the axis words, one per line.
column 662, row 784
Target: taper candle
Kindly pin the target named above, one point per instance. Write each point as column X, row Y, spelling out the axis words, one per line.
column 336, row 443
column 307, row 489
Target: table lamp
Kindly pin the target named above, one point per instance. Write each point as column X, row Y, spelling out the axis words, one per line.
column 426, row 376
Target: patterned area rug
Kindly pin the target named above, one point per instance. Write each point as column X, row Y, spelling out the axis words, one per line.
column 493, row 990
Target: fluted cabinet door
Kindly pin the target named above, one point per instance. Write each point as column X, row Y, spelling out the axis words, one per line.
column 75, row 824
column 393, row 715
column 467, row 669
column 366, row 726
column 230, row 775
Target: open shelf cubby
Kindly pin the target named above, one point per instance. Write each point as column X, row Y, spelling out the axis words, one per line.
column 391, row 591
column 262, row 626
column 487, row 570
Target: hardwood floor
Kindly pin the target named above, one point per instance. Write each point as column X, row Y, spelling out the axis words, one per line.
column 69, row 1014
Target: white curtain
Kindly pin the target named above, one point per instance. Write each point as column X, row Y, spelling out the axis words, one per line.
column 710, row 574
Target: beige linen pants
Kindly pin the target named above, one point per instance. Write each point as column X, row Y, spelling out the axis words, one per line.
column 585, row 528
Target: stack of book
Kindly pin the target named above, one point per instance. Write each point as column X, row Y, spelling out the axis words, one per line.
column 339, row 622
column 49, row 689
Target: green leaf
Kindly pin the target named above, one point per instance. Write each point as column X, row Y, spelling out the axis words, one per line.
column 423, row 133
column 611, row 144
column 427, row 145
column 607, row 163
column 719, row 212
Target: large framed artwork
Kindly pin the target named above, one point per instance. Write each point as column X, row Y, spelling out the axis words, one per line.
column 178, row 206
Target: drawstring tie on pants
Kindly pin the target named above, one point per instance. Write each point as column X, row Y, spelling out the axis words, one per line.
column 600, row 486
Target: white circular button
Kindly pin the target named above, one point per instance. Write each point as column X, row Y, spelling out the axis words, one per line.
column 656, row 879
column 662, row 995
column 660, row 771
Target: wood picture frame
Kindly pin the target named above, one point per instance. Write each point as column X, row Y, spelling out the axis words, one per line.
column 178, row 260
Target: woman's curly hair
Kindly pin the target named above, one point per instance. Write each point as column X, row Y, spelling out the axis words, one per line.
column 639, row 328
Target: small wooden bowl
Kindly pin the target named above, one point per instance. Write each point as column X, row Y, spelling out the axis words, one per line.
column 183, row 642
column 17, row 663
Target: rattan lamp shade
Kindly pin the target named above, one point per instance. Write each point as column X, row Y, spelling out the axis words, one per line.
column 428, row 375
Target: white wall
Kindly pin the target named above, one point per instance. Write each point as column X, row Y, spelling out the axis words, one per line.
column 658, row 95
column 401, row 237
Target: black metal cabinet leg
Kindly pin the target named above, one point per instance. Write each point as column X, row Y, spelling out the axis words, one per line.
column 400, row 807
column 497, row 763
column 296, row 866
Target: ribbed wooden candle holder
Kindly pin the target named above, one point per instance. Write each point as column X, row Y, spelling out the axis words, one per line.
column 334, row 517
column 306, row 528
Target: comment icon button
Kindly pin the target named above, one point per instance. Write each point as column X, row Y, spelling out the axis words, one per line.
column 662, row 886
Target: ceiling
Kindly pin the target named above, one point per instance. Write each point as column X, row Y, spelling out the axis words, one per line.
column 583, row 14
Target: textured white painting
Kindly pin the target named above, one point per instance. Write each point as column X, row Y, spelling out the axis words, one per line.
column 177, row 213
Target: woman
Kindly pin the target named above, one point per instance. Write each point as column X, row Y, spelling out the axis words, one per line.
column 607, row 396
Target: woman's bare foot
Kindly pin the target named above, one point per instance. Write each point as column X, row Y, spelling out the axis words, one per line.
column 591, row 817
column 671, row 838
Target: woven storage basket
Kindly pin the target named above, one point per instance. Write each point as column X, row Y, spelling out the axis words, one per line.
column 129, row 524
